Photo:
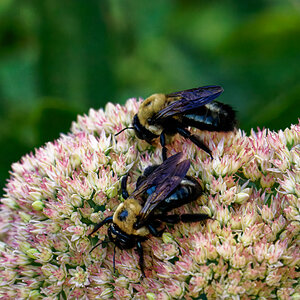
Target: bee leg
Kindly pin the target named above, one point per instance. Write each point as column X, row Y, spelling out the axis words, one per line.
column 154, row 231
column 100, row 243
column 185, row 218
column 125, row 194
column 172, row 219
column 141, row 257
column 163, row 144
column 189, row 218
column 185, row 133
column 114, row 259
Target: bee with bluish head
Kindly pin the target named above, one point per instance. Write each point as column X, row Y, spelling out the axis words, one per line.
column 159, row 190
column 168, row 114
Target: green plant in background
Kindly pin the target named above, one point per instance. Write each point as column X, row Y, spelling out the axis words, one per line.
column 59, row 59
column 249, row 249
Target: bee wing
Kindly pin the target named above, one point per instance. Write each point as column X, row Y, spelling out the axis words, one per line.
column 163, row 183
column 186, row 100
column 162, row 172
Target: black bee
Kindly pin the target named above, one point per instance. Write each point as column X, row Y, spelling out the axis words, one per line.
column 160, row 189
column 167, row 114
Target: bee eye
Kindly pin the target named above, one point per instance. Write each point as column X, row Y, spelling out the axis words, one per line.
column 123, row 215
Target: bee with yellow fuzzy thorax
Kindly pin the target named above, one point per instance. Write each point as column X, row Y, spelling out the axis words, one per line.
column 168, row 114
column 159, row 190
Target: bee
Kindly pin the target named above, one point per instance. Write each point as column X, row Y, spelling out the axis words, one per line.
column 168, row 114
column 160, row 189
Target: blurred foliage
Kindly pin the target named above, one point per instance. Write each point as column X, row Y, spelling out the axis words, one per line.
column 59, row 58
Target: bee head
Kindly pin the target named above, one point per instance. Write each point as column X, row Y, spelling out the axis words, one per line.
column 121, row 239
column 142, row 132
column 126, row 215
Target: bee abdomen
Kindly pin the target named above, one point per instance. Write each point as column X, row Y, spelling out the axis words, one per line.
column 188, row 191
column 214, row 116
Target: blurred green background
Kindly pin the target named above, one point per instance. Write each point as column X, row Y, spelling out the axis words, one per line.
column 59, row 58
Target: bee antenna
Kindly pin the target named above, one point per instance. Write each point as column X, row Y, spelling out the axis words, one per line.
column 98, row 226
column 130, row 127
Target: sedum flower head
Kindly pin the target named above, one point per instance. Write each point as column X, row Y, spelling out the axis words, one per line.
column 248, row 249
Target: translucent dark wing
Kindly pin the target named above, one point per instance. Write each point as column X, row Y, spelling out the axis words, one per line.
column 162, row 172
column 165, row 180
column 186, row 100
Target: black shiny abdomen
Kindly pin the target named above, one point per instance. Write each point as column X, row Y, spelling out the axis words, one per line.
column 187, row 191
column 214, row 116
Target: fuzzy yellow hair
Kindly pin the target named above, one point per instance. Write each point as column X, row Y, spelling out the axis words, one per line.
column 133, row 207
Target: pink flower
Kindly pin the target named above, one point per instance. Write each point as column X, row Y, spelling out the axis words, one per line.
column 79, row 277
column 249, row 248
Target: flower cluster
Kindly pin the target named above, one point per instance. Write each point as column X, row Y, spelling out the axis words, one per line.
column 248, row 249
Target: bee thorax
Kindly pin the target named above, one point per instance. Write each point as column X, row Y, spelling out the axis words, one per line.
column 150, row 107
